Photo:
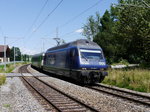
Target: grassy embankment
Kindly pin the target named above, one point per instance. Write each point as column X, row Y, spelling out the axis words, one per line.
column 135, row 79
column 9, row 68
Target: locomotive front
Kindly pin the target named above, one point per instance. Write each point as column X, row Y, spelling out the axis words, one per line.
column 92, row 63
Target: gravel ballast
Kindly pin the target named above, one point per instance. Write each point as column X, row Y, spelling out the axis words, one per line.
column 100, row 101
column 15, row 97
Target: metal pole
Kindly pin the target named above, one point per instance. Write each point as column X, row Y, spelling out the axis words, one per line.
column 21, row 57
column 14, row 57
column 43, row 47
column 5, row 53
column 57, row 39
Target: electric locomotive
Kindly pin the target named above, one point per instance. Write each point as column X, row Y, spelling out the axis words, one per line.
column 82, row 60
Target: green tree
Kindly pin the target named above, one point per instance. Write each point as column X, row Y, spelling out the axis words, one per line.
column 92, row 27
column 26, row 57
column 134, row 30
column 106, row 38
column 101, row 30
column 17, row 54
column 123, row 32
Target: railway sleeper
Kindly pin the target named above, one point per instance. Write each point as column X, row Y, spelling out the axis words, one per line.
column 68, row 104
column 77, row 108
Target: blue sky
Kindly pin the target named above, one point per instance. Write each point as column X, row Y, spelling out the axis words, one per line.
column 17, row 17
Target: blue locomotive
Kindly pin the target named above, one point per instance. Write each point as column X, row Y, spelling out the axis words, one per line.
column 82, row 60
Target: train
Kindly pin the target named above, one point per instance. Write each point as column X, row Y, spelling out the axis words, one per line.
column 82, row 60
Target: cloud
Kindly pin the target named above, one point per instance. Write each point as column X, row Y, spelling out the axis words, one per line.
column 79, row 30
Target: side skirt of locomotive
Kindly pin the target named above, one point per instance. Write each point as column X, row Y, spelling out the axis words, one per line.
column 82, row 76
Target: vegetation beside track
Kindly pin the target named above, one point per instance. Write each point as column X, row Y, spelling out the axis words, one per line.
column 134, row 79
column 2, row 79
column 10, row 67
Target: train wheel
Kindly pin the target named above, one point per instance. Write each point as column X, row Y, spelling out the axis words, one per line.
column 85, row 80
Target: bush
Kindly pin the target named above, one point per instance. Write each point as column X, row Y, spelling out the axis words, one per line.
column 135, row 79
column 122, row 62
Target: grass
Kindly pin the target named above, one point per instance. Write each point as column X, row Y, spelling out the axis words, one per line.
column 6, row 105
column 9, row 67
column 135, row 79
column 2, row 79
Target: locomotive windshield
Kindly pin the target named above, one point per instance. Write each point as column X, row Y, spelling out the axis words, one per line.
column 91, row 56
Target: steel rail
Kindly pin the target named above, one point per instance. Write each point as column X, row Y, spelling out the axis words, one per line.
column 131, row 96
column 22, row 69
column 60, row 92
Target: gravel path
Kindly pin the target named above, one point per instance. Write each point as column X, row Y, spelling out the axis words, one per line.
column 15, row 97
column 100, row 101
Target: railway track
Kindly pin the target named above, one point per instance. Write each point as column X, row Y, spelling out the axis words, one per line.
column 128, row 95
column 58, row 99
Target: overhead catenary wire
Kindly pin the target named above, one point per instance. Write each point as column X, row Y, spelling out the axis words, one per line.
column 16, row 40
column 45, row 19
column 78, row 15
column 35, row 20
column 37, row 17
column 68, row 33
column 70, row 20
column 75, row 17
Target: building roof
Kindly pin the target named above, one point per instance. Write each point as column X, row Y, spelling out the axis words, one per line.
column 2, row 48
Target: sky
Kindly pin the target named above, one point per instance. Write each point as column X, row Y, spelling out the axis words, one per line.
column 31, row 25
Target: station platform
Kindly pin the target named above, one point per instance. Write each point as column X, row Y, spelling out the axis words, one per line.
column 24, row 74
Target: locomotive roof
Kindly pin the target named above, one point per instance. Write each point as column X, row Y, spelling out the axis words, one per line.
column 82, row 43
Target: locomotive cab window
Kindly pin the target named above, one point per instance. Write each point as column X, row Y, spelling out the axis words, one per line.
column 90, row 56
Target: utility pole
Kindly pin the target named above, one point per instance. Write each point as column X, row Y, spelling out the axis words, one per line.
column 57, row 38
column 5, row 53
column 14, row 57
column 43, row 47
